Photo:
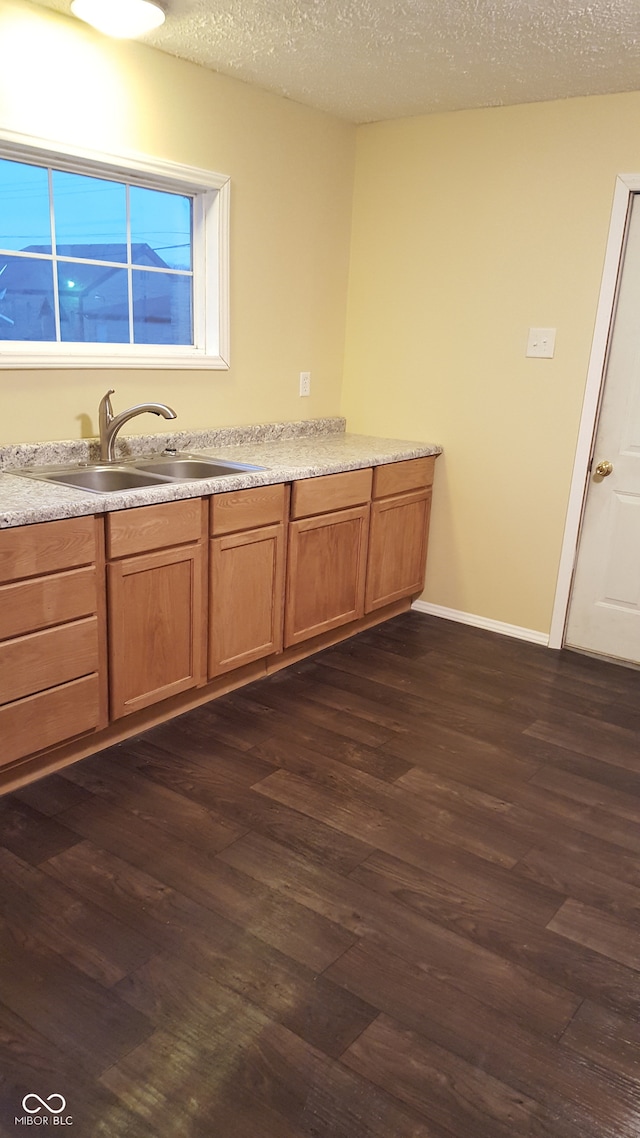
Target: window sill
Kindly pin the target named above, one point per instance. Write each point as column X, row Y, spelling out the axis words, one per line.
column 177, row 361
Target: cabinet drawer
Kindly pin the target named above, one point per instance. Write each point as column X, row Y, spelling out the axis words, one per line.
column 40, row 721
column 32, row 663
column 153, row 527
column 330, row 492
column 397, row 477
column 247, row 509
column 28, row 551
column 27, row 606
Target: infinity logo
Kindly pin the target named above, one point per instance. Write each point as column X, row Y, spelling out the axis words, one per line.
column 44, row 1103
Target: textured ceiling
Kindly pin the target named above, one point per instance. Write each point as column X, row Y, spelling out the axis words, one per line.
column 366, row 60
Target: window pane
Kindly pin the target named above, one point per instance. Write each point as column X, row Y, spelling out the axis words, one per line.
column 94, row 304
column 26, row 299
column 24, row 207
column 161, row 308
column 90, row 217
column 160, row 228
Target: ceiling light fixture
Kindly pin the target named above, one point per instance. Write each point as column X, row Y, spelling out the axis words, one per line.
column 124, row 19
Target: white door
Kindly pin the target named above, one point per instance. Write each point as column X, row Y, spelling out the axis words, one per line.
column 604, row 612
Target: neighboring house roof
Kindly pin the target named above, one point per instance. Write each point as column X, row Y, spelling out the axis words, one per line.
column 141, row 252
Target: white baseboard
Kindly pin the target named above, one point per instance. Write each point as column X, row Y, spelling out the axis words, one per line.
column 499, row 626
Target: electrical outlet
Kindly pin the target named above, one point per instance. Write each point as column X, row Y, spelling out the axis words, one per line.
column 305, row 383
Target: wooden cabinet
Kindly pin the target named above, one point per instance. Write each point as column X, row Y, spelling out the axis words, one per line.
column 399, row 529
column 52, row 635
column 196, row 590
column 246, row 577
column 157, row 618
column 327, row 554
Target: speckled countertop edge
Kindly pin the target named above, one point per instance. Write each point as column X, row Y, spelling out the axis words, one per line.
column 285, row 453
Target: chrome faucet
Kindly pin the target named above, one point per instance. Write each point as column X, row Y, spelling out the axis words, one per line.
column 109, row 424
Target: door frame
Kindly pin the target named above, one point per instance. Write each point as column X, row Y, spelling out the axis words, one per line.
column 626, row 185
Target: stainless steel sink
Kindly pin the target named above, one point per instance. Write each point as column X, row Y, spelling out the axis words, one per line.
column 97, row 479
column 152, row 470
column 190, row 466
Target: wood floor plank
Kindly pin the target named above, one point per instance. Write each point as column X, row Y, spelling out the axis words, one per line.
column 111, row 779
column 544, row 952
column 78, row 1016
column 574, row 878
column 463, row 758
column 304, row 752
column 455, row 878
column 598, row 931
column 308, row 938
column 277, row 692
column 606, row 1038
column 444, row 1088
column 50, row 795
column 28, row 1060
column 363, row 810
column 284, row 1085
column 206, row 782
column 468, row 967
column 29, row 834
column 100, row 946
column 594, row 1101
column 317, row 1010
column 604, row 741
column 588, row 793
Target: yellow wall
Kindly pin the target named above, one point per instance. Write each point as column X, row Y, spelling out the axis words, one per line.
column 292, row 180
column 470, row 227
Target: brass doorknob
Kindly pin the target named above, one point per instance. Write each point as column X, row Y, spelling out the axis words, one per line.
column 604, row 468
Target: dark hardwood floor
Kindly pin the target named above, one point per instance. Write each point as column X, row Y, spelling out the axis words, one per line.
column 393, row 892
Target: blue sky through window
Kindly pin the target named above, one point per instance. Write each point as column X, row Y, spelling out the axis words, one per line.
column 92, row 224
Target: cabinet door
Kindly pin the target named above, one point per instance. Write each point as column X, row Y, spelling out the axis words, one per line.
column 326, row 572
column 245, row 597
column 397, row 548
column 157, row 625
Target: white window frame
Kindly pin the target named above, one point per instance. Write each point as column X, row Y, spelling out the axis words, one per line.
column 211, row 193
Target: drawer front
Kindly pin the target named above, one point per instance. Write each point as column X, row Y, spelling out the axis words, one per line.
column 29, row 551
column 43, row 601
column 51, row 717
column 330, row 492
column 247, row 509
column 153, row 527
column 42, row 660
column 397, row 477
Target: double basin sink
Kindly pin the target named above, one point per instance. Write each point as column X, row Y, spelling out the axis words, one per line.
column 149, row 470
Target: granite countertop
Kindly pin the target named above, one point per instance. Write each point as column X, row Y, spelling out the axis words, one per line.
column 287, row 451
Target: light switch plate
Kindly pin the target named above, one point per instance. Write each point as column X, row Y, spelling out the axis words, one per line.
column 541, row 343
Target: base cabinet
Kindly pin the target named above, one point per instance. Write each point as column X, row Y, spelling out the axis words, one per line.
column 201, row 593
column 400, row 513
column 326, row 572
column 156, row 605
column 246, row 577
column 52, row 635
column 397, row 548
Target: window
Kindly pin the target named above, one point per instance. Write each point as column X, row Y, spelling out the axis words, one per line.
column 110, row 262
